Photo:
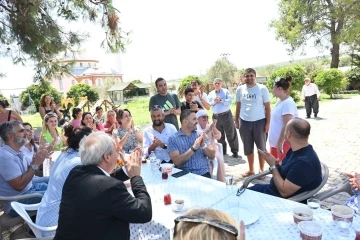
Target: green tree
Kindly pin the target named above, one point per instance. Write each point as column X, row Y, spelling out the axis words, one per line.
column 30, row 30
column 331, row 81
column 223, row 69
column 2, row 97
column 82, row 90
column 185, row 83
column 314, row 74
column 297, row 72
column 326, row 22
column 36, row 91
column 102, row 90
column 353, row 77
column 136, row 81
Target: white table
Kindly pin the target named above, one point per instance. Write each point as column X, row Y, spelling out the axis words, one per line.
column 275, row 221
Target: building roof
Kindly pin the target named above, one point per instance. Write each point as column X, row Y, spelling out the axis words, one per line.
column 127, row 86
column 142, row 85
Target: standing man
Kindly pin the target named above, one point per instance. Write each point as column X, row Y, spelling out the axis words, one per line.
column 155, row 137
column 200, row 96
column 220, row 100
column 189, row 102
column 310, row 95
column 253, row 107
column 169, row 102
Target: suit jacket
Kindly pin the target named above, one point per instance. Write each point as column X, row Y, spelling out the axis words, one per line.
column 95, row 206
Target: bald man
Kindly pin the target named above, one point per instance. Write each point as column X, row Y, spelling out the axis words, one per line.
column 310, row 95
column 300, row 170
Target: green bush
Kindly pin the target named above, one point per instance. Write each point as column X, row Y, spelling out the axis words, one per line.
column 185, row 83
column 331, row 81
column 82, row 90
column 36, row 91
column 353, row 77
column 298, row 74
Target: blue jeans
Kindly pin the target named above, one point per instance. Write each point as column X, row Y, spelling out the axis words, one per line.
column 36, row 188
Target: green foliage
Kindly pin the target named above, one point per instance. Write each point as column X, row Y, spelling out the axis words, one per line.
column 2, row 97
column 353, row 77
column 136, row 81
column 31, row 31
column 331, row 81
column 102, row 90
column 297, row 72
column 314, row 74
column 185, row 83
column 82, row 90
column 355, row 58
column 331, row 22
column 345, row 61
column 36, row 91
column 223, row 69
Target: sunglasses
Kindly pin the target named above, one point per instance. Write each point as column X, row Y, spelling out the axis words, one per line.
column 215, row 223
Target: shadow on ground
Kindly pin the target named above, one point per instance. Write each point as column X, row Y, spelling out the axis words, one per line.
column 231, row 161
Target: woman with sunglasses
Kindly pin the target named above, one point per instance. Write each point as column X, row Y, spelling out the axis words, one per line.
column 129, row 135
column 51, row 134
column 89, row 121
column 213, row 134
column 203, row 224
column 47, row 105
column 30, row 148
column 284, row 110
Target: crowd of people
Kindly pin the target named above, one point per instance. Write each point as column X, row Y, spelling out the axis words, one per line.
column 90, row 146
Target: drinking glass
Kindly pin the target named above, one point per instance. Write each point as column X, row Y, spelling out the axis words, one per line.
column 343, row 226
column 229, row 182
column 313, row 203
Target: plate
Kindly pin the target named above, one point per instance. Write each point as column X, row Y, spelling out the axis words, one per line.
column 247, row 214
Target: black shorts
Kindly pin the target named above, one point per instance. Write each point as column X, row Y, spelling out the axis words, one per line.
column 253, row 132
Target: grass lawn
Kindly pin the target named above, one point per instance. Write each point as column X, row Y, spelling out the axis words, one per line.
column 139, row 108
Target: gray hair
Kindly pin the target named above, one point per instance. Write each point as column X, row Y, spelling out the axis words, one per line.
column 94, row 147
column 8, row 128
column 217, row 80
column 157, row 108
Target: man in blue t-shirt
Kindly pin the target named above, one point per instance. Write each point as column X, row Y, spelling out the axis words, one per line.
column 300, row 170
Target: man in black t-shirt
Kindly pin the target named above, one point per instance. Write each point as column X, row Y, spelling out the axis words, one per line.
column 189, row 102
column 300, row 171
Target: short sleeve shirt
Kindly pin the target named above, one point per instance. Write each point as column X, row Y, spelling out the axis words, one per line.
column 131, row 141
column 198, row 162
column 13, row 164
column 302, row 168
column 166, row 102
column 252, row 101
column 288, row 106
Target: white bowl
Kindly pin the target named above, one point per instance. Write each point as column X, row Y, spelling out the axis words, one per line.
column 167, row 166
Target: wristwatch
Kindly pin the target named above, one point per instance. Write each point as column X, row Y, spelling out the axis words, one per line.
column 35, row 167
column 193, row 149
column 272, row 167
column 165, row 147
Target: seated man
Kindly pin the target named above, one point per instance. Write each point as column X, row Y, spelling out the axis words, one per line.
column 16, row 175
column 189, row 151
column 189, row 102
column 95, row 205
column 156, row 137
column 300, row 170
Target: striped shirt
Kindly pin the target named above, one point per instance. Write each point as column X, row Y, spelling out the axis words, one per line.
column 198, row 162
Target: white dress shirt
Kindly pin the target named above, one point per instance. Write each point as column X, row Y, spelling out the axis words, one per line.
column 309, row 90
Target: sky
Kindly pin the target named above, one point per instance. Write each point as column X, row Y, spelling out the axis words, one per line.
column 173, row 39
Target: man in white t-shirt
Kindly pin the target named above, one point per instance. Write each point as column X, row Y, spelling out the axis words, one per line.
column 252, row 117
column 310, row 95
column 200, row 96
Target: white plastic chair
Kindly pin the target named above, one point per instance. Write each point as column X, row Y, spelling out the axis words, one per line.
column 22, row 209
column 215, row 168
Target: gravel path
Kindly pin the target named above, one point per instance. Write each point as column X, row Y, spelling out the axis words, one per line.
column 335, row 136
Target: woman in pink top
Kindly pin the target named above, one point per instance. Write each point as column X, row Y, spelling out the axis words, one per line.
column 89, row 121
column 213, row 134
column 111, row 123
column 77, row 117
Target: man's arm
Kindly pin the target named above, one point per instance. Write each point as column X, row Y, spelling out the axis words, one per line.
column 177, row 110
column 228, row 99
column 303, row 93
column 317, row 91
column 209, row 152
column 211, row 98
column 267, row 116
column 22, row 181
column 285, row 187
column 204, row 101
column 179, row 159
column 120, row 175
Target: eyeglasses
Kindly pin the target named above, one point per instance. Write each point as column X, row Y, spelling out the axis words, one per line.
column 215, row 223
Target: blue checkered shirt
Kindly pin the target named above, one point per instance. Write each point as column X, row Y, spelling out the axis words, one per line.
column 198, row 162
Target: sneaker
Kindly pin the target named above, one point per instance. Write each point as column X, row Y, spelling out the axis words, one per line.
column 308, row 117
column 315, row 115
column 235, row 155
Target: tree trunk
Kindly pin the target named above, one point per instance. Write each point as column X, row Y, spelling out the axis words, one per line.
column 335, row 56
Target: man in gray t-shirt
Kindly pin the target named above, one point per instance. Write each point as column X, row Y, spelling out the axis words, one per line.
column 16, row 175
column 168, row 102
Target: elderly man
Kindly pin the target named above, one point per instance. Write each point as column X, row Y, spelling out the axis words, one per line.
column 169, row 102
column 16, row 175
column 200, row 96
column 220, row 100
column 189, row 151
column 95, row 205
column 252, row 117
column 300, row 170
column 311, row 96
column 157, row 135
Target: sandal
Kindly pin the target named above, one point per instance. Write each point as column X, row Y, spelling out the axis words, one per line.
column 247, row 174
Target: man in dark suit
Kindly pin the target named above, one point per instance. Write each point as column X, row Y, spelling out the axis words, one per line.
column 95, row 205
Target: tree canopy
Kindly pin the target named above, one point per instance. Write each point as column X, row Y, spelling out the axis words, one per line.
column 186, row 82
column 82, row 90
column 331, row 81
column 223, row 69
column 329, row 23
column 32, row 31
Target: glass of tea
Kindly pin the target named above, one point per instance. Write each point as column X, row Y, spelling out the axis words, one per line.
column 167, row 198
column 164, row 174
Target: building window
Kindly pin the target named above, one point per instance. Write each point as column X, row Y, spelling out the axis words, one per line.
column 61, row 86
column 73, row 82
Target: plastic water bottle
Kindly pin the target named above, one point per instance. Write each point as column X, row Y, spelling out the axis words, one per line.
column 153, row 161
